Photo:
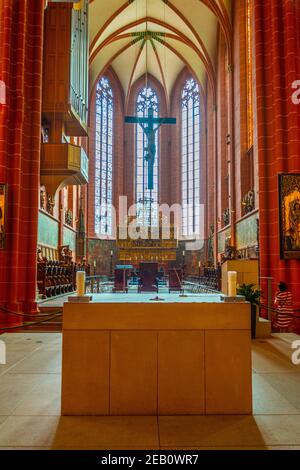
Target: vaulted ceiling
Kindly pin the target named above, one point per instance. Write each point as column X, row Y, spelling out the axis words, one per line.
column 157, row 36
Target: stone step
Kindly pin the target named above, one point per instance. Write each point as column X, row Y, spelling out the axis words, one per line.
column 282, row 343
column 286, row 337
column 263, row 328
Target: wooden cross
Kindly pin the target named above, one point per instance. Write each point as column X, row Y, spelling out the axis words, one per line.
column 148, row 126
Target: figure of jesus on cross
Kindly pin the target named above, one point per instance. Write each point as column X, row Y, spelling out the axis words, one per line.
column 150, row 126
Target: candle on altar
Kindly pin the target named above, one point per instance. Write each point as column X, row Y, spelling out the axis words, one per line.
column 232, row 277
column 80, row 283
column 95, row 263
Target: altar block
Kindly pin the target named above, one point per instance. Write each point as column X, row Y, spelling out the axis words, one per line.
column 180, row 356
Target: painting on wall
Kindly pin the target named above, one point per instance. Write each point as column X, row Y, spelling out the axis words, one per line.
column 223, row 238
column 289, row 205
column 103, row 255
column 47, row 231
column 247, row 232
column 3, row 190
column 69, row 238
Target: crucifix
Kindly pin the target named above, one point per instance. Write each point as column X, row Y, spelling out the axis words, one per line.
column 150, row 126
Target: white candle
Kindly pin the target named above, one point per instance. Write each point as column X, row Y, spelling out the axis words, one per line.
column 95, row 263
column 80, row 283
column 232, row 277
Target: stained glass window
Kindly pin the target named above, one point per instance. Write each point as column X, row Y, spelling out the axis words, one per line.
column 190, row 158
column 249, row 67
column 104, row 158
column 146, row 200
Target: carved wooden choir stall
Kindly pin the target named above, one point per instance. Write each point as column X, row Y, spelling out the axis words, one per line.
column 55, row 277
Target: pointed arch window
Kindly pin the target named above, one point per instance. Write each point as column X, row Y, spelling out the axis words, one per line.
column 190, row 158
column 146, row 200
column 104, row 158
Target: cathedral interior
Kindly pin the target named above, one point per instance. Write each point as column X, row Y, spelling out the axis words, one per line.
column 153, row 145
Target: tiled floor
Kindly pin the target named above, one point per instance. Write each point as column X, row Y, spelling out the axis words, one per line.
column 30, row 407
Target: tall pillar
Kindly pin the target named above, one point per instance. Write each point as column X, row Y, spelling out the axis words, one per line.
column 21, row 40
column 277, row 25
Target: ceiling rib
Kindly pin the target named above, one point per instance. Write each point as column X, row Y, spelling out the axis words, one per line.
column 180, row 27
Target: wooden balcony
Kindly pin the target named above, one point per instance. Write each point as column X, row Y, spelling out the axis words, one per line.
column 62, row 165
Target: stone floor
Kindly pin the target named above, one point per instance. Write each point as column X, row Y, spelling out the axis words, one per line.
column 30, row 407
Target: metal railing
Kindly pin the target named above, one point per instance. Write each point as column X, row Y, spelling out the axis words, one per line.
column 197, row 288
column 98, row 284
column 268, row 307
column 210, row 279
